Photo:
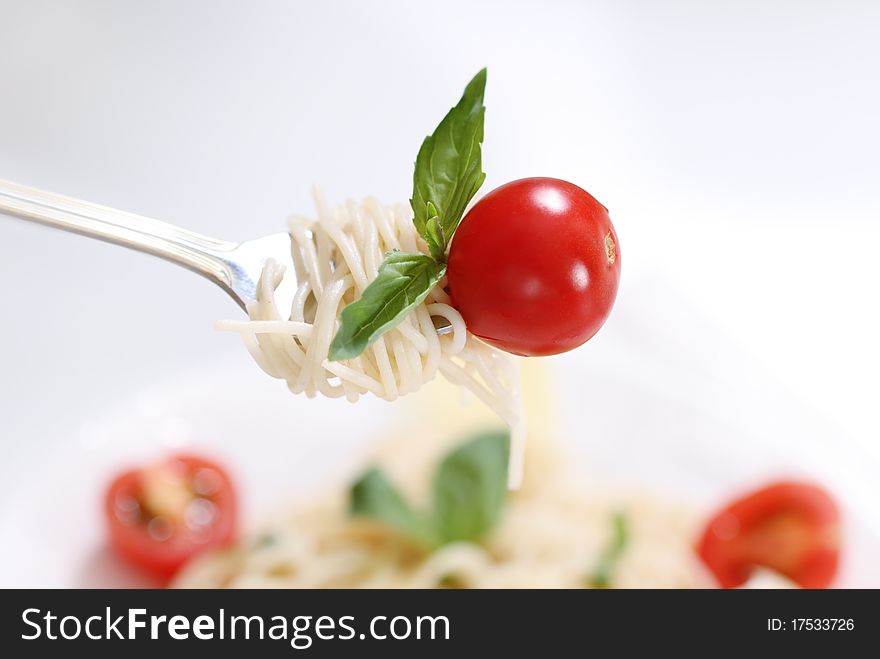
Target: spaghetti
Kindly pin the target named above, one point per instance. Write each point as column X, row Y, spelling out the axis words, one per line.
column 551, row 535
column 336, row 257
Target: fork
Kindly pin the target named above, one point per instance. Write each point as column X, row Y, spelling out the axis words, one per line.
column 234, row 267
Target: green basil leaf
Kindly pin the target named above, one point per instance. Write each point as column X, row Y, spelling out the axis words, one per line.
column 449, row 168
column 374, row 496
column 470, row 488
column 404, row 280
column 602, row 573
column 434, row 234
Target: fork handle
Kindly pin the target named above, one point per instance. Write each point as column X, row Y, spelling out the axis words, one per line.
column 193, row 251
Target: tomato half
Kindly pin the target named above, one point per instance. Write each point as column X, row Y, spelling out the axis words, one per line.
column 161, row 516
column 534, row 267
column 792, row 528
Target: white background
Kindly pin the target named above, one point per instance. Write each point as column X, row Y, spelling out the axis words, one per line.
column 735, row 143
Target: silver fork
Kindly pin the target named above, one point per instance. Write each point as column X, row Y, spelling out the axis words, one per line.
column 234, row 267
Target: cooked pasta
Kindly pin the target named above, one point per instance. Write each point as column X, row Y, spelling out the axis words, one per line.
column 550, row 536
column 336, row 257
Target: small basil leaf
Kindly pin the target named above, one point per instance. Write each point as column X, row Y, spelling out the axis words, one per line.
column 434, row 236
column 374, row 496
column 449, row 166
column 404, row 280
column 470, row 488
column 602, row 573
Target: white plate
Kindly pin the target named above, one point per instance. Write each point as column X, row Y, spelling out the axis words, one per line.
column 690, row 417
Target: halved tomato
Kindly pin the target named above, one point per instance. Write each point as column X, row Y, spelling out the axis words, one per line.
column 161, row 516
column 792, row 528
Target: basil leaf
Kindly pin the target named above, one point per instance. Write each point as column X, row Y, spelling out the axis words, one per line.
column 601, row 576
column 374, row 496
column 404, row 280
column 434, row 234
column 470, row 488
column 449, row 168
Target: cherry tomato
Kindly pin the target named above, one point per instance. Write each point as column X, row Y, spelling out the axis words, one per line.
column 792, row 528
column 161, row 516
column 534, row 267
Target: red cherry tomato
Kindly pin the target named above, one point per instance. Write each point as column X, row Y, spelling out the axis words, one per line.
column 792, row 528
column 161, row 516
column 534, row 267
